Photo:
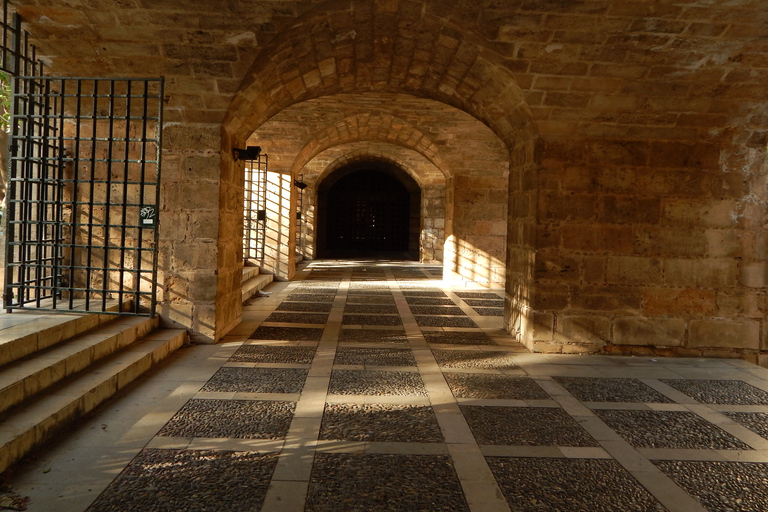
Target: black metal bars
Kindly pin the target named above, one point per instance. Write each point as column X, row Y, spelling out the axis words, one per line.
column 17, row 55
column 84, row 194
column 300, row 185
column 255, row 208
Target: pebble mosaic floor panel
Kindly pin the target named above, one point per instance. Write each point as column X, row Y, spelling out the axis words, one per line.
column 377, row 387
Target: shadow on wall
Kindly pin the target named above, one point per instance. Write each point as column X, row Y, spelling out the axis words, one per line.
column 278, row 252
column 465, row 263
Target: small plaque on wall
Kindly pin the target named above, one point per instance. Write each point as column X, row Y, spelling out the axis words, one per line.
column 148, row 216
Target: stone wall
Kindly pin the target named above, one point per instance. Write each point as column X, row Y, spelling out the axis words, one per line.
column 650, row 243
column 651, row 196
column 190, row 222
column 632, row 137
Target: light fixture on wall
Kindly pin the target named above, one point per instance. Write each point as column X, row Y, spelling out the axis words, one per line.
column 249, row 153
column 300, row 184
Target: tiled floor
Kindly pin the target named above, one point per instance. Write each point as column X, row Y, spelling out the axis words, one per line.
column 362, row 387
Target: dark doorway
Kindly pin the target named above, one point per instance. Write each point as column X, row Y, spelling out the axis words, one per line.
column 369, row 213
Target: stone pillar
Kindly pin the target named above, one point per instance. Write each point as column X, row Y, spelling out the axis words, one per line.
column 189, row 228
column 520, row 317
column 229, row 304
column 433, row 222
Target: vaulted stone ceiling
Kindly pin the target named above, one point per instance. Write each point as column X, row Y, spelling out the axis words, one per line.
column 444, row 136
column 634, row 58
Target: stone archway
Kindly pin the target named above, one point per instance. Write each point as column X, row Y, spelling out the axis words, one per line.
column 368, row 210
column 428, row 58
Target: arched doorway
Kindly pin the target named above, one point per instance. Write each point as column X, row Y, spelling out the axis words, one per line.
column 367, row 211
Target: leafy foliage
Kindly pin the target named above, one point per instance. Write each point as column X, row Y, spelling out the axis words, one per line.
column 5, row 102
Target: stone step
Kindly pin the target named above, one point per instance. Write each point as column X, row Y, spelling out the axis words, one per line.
column 249, row 272
column 24, row 378
column 254, row 284
column 39, row 418
column 25, row 332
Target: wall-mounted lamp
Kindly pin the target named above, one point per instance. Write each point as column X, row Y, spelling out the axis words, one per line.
column 249, row 153
column 300, row 184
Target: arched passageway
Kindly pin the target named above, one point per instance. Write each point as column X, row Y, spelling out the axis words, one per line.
column 628, row 214
column 365, row 211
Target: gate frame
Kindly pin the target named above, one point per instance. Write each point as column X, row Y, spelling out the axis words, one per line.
column 255, row 218
column 24, row 90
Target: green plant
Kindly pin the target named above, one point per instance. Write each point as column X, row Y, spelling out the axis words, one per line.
column 5, row 102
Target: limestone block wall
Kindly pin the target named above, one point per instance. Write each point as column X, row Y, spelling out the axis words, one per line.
column 477, row 244
column 433, row 223
column 190, row 251
column 305, row 240
column 651, row 246
column 520, row 318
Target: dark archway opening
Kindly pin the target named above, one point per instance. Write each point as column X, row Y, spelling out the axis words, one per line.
column 369, row 211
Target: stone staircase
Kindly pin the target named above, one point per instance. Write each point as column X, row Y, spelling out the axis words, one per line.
column 55, row 368
column 254, row 281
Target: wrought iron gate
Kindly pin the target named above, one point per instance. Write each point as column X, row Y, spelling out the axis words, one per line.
column 83, row 194
column 255, row 208
column 368, row 211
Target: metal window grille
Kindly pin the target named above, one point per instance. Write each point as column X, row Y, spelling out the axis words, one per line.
column 299, row 213
column 17, row 55
column 255, row 208
column 83, row 194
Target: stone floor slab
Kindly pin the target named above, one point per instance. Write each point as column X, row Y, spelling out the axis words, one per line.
column 373, row 336
column 722, row 486
column 297, row 318
column 755, row 421
column 273, row 354
column 242, row 419
column 668, row 429
column 396, row 483
column 257, row 380
column 305, row 307
column 163, row 480
column 502, row 387
column 596, row 485
column 475, row 359
column 458, row 338
column 598, row 389
column 266, row 332
column 374, row 357
column 380, row 423
column 710, row 391
column 444, row 321
column 364, row 382
column 526, row 426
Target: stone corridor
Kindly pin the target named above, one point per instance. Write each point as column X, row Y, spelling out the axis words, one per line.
column 364, row 386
